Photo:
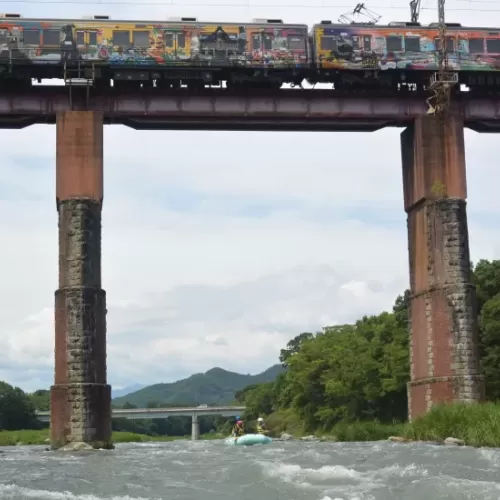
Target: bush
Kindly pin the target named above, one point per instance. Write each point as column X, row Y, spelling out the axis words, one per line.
column 366, row 431
column 476, row 424
column 285, row 421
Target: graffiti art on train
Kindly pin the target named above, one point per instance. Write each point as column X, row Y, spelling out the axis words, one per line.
column 356, row 48
column 247, row 45
column 233, row 45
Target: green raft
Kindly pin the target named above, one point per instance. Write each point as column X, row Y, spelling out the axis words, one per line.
column 249, row 440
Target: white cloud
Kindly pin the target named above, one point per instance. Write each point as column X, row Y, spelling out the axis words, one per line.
column 217, row 247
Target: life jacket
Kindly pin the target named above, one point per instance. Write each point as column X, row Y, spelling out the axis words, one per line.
column 238, row 431
column 261, row 429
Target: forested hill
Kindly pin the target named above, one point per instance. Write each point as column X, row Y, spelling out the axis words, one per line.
column 217, row 386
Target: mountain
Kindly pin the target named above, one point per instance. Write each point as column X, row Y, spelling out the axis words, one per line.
column 217, row 386
column 117, row 393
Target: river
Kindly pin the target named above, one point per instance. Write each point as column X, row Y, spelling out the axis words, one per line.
column 210, row 470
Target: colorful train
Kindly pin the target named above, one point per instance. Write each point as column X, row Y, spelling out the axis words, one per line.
column 263, row 53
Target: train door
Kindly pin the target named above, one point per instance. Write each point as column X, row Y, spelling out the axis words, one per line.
column 86, row 43
column 175, row 44
column 261, row 43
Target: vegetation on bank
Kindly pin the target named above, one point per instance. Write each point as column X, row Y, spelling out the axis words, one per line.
column 41, row 437
column 474, row 424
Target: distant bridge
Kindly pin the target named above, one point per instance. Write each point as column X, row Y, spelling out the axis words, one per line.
column 149, row 413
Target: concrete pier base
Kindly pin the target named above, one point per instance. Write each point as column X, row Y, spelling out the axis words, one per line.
column 195, row 428
column 443, row 318
column 80, row 396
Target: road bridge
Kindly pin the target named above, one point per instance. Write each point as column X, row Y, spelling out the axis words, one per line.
column 150, row 413
column 443, row 319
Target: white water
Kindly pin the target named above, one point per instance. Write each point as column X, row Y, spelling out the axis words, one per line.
column 210, row 470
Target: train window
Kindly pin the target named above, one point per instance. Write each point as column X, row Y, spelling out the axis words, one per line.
column 256, row 42
column 328, row 43
column 181, row 40
column 450, row 44
column 412, row 44
column 493, row 45
column 267, row 42
column 121, row 37
column 80, row 37
column 51, row 37
column 3, row 36
column 362, row 42
column 394, row 43
column 92, row 38
column 31, row 37
column 295, row 42
column 169, row 40
column 476, row 45
column 141, row 39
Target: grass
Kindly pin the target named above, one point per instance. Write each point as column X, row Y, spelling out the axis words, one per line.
column 475, row 424
column 366, row 431
column 41, row 437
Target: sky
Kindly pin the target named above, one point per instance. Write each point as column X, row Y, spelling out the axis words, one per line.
column 219, row 247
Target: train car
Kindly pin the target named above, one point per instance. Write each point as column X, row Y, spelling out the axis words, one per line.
column 360, row 54
column 263, row 53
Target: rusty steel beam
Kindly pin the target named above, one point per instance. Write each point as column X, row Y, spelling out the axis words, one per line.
column 292, row 110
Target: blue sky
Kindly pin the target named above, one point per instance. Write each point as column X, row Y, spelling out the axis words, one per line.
column 219, row 262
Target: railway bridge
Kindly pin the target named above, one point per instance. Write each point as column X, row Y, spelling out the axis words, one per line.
column 444, row 352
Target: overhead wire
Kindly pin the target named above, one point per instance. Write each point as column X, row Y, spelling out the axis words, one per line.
column 174, row 3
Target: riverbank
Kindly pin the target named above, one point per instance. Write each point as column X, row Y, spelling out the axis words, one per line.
column 470, row 424
column 41, row 437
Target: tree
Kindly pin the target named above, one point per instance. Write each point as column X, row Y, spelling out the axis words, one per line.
column 16, row 409
column 293, row 347
column 489, row 321
column 40, row 399
column 486, row 276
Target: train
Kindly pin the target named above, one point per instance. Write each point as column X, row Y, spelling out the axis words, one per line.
column 264, row 53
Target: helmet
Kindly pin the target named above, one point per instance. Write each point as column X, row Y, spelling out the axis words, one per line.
column 237, row 418
column 260, row 419
column 239, row 422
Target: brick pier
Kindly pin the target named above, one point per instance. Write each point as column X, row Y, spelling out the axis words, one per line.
column 80, row 396
column 443, row 320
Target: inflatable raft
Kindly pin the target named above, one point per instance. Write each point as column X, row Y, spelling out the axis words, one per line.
column 249, row 440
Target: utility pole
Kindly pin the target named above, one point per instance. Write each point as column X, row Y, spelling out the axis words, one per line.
column 442, row 81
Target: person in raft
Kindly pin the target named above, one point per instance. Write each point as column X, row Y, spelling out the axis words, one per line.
column 261, row 426
column 239, row 428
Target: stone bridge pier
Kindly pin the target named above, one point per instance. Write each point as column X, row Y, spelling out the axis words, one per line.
column 80, row 396
column 444, row 355
column 195, row 428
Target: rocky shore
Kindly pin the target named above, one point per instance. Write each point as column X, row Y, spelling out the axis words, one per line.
column 449, row 441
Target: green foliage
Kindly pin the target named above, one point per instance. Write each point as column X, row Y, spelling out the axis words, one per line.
column 40, row 400
column 489, row 321
column 41, row 437
column 293, row 347
column 487, row 281
column 366, row 431
column 16, row 409
column 215, row 387
column 476, row 424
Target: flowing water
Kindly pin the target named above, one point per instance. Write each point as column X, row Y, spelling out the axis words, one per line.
column 211, row 470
